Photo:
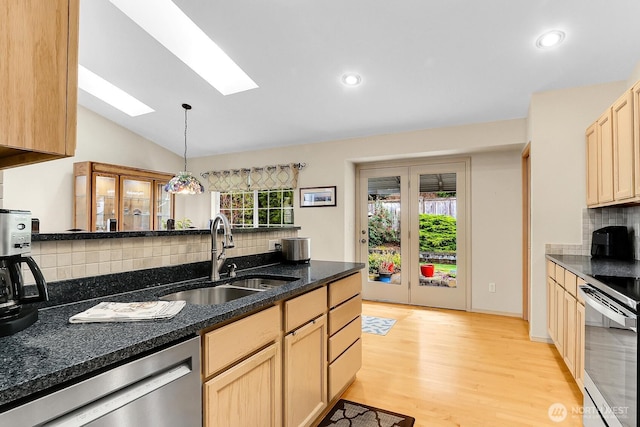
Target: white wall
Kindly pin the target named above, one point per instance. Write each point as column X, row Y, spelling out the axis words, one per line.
column 332, row 230
column 496, row 225
column 556, row 125
column 46, row 189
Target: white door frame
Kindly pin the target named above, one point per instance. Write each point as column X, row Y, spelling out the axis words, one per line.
column 464, row 247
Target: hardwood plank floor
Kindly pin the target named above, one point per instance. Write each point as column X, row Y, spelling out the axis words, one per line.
column 452, row 368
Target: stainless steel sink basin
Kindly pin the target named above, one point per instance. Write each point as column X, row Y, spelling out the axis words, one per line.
column 260, row 283
column 210, row 295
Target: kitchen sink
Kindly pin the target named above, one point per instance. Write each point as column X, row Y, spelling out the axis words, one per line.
column 210, row 295
column 261, row 283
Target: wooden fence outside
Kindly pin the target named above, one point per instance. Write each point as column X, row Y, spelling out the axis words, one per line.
column 444, row 206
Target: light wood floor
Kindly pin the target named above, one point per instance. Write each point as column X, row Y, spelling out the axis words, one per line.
column 451, row 368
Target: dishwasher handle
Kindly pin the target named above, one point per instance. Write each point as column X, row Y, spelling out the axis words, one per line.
column 608, row 307
column 120, row 398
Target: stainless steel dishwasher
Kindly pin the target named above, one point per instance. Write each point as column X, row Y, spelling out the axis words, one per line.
column 161, row 389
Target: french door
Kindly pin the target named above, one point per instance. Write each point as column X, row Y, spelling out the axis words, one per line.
column 413, row 227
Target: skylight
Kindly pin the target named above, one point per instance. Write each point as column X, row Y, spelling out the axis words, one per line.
column 165, row 22
column 111, row 94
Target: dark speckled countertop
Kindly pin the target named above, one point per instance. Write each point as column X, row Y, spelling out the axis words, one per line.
column 53, row 352
column 587, row 267
column 620, row 279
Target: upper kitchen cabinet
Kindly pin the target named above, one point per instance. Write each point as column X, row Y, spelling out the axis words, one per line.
column 133, row 198
column 38, row 80
column 623, row 159
column 592, row 165
column 613, row 154
column 605, row 158
column 635, row 94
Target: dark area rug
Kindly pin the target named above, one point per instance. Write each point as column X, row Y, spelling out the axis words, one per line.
column 352, row 414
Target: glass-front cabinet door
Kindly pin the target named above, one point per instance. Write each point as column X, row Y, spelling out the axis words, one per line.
column 163, row 206
column 133, row 198
column 105, row 201
column 136, row 205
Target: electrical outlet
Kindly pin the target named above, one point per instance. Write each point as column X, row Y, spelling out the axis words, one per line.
column 272, row 244
column 492, row 287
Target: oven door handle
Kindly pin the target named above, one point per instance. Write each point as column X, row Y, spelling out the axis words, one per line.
column 620, row 318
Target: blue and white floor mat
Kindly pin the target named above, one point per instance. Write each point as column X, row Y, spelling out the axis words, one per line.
column 377, row 325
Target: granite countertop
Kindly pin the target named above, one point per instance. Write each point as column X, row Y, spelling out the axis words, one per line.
column 53, row 351
column 90, row 235
column 587, row 267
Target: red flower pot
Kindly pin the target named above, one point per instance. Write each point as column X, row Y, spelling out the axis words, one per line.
column 427, row 270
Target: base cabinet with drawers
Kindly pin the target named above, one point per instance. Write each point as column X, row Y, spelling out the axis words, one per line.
column 284, row 365
column 565, row 318
column 305, row 354
column 243, row 377
column 345, row 329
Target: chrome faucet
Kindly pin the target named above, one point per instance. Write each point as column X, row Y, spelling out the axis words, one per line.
column 217, row 261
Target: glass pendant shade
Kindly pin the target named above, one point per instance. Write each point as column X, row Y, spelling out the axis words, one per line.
column 184, row 182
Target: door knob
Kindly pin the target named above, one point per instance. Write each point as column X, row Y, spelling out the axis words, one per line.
column 363, row 241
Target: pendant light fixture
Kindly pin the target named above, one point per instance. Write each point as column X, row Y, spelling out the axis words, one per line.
column 184, row 182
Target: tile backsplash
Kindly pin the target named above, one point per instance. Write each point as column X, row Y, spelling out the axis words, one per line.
column 593, row 219
column 73, row 259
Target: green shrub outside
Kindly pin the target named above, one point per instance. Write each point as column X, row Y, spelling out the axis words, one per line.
column 437, row 233
column 381, row 226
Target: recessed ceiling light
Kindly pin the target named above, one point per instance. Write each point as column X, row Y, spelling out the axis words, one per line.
column 351, row 79
column 111, row 94
column 166, row 23
column 550, row 39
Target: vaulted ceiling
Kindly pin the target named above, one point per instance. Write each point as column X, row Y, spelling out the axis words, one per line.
column 424, row 64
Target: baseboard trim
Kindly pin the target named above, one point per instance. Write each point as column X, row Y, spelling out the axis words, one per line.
column 546, row 340
column 498, row 313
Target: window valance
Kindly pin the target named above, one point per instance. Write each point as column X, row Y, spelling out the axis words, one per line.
column 272, row 177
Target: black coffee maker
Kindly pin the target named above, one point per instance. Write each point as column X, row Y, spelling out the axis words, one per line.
column 15, row 247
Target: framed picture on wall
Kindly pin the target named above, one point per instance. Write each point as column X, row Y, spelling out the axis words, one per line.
column 317, row 197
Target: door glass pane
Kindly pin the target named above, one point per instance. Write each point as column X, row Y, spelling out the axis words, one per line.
column 384, row 230
column 163, row 206
column 105, row 201
column 136, row 201
column 437, row 203
column 81, row 218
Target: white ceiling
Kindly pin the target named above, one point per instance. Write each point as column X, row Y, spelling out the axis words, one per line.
column 424, row 64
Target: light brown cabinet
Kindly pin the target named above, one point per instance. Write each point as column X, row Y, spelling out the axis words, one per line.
column 580, row 331
column 635, row 95
column 247, row 394
column 134, row 198
column 592, row 165
column 565, row 318
column 613, row 153
column 605, row 158
column 243, row 386
column 345, row 344
column 283, row 365
column 39, row 80
column 305, row 355
column 623, row 157
column 305, row 373
column 552, row 323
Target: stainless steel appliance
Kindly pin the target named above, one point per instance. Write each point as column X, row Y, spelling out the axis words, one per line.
column 15, row 247
column 159, row 390
column 296, row 249
column 611, row 352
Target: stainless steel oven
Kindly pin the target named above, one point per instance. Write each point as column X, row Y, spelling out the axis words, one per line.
column 611, row 353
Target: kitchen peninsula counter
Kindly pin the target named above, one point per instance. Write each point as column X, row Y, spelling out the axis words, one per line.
column 53, row 352
column 93, row 235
